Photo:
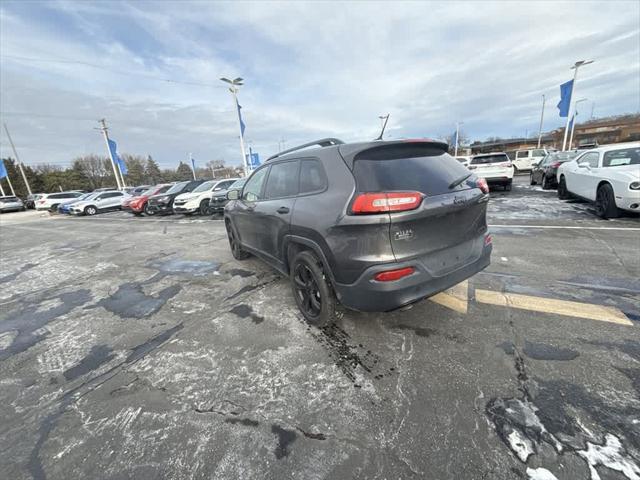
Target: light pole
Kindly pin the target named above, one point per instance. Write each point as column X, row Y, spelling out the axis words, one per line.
column 455, row 152
column 234, row 84
column 576, row 66
column 573, row 124
column 383, row 123
column 544, row 99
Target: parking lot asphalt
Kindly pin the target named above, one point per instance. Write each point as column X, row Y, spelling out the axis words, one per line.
column 139, row 348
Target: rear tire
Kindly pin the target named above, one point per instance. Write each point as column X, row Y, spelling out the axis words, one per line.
column 236, row 248
column 90, row 210
column 563, row 193
column 204, row 208
column 148, row 211
column 311, row 290
column 507, row 186
column 546, row 183
column 531, row 180
column 606, row 202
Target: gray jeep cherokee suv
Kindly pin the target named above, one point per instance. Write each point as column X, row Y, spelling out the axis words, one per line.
column 373, row 226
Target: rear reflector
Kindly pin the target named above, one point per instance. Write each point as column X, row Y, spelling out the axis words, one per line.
column 392, row 275
column 482, row 184
column 488, row 240
column 386, row 202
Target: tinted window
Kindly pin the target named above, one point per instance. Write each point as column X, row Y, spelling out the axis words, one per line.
column 628, row 156
column 178, row 187
column 524, row 154
column 539, row 153
column 203, row 187
column 253, row 189
column 490, row 159
column 225, row 185
column 283, row 180
column 8, row 199
column 111, row 195
column 430, row 175
column 312, row 176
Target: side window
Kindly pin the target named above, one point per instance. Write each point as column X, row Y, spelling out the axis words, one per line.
column 629, row 156
column 524, row 154
column 283, row 180
column 253, row 188
column 312, row 176
column 591, row 158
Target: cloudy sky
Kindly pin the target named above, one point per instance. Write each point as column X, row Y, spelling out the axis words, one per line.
column 311, row 70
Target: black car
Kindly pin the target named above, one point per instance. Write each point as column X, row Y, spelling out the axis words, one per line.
column 30, row 201
column 374, row 226
column 163, row 203
column 544, row 173
column 219, row 199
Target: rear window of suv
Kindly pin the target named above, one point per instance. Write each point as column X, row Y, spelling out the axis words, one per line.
column 431, row 174
column 615, row 158
column 489, row 159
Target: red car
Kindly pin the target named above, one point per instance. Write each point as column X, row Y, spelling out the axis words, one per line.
column 138, row 205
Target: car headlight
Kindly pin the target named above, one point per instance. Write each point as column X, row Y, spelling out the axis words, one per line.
column 634, row 185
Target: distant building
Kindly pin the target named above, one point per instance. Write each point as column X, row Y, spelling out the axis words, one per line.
column 601, row 131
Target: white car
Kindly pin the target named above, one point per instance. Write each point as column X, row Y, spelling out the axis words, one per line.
column 98, row 202
column 495, row 168
column 609, row 176
column 198, row 200
column 525, row 159
column 50, row 201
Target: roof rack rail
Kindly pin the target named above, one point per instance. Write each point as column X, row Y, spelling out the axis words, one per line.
column 324, row 142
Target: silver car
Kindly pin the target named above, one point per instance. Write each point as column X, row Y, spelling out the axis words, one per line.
column 11, row 204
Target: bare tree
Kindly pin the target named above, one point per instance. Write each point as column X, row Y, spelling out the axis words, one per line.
column 93, row 168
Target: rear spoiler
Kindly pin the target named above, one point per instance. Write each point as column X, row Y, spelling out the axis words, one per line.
column 391, row 150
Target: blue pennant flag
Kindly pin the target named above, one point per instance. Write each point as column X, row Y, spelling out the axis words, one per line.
column 193, row 164
column 565, row 98
column 253, row 159
column 242, row 126
column 3, row 169
column 113, row 149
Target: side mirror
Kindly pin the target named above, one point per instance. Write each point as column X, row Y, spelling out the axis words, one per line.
column 535, row 164
column 233, row 194
column 584, row 165
column 217, row 189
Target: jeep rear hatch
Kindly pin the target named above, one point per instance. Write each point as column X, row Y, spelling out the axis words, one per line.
column 433, row 202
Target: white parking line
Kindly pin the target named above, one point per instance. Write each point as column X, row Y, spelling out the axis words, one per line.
column 568, row 227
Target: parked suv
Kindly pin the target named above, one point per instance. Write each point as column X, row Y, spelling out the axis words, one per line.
column 11, row 204
column 98, row 202
column 524, row 159
column 374, row 225
column 50, row 201
column 163, row 203
column 495, row 168
column 198, row 200
column 140, row 204
column 219, row 199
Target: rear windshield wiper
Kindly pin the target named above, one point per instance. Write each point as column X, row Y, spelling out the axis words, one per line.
column 457, row 182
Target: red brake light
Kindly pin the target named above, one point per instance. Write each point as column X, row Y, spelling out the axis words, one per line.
column 488, row 240
column 392, row 275
column 386, row 202
column 556, row 164
column 482, row 184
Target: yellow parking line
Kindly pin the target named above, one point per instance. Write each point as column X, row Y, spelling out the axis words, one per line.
column 558, row 307
column 455, row 298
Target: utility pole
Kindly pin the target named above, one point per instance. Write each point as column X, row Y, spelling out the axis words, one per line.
column 541, row 119
column 576, row 66
column 106, row 141
column 24, row 177
column 593, row 106
column 575, row 119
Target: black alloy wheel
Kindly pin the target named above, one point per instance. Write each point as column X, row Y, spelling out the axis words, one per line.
column 606, row 203
column 236, row 248
column 311, row 290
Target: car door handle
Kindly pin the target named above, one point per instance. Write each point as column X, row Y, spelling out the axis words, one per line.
column 283, row 210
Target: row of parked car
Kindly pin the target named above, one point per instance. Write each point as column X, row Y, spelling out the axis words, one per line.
column 188, row 197
column 608, row 176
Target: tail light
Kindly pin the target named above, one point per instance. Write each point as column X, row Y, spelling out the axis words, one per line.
column 482, row 184
column 386, row 202
column 555, row 165
column 393, row 275
column 40, row 201
column 488, row 240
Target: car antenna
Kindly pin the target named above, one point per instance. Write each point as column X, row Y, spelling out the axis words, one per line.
column 384, row 125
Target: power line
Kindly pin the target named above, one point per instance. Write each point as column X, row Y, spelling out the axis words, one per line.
column 108, row 69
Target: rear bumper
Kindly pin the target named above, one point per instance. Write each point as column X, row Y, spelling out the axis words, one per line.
column 368, row 295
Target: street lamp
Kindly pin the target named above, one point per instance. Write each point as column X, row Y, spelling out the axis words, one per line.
column 576, row 66
column 233, row 88
column 383, row 123
column 573, row 124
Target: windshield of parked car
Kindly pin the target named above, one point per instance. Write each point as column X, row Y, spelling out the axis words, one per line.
column 238, row 184
column 562, row 156
column 489, row 159
column 178, row 187
column 8, row 199
column 618, row 158
column 204, row 187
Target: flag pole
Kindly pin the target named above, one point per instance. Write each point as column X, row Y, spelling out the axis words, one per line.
column 106, row 142
column 24, row 177
column 193, row 166
column 455, row 153
column 1, row 189
column 234, row 91
column 571, row 102
column 541, row 119
column 13, row 192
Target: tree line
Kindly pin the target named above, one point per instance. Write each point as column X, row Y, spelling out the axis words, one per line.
column 94, row 171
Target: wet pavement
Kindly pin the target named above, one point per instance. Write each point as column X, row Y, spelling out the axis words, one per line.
column 138, row 348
